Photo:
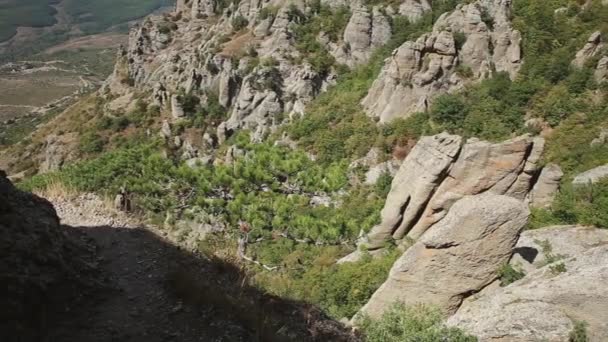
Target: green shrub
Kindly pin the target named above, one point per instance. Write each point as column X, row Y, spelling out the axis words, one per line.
column 411, row 324
column 91, row 143
column 310, row 273
column 579, row 332
column 239, row 22
column 508, row 274
column 449, row 110
column 557, row 268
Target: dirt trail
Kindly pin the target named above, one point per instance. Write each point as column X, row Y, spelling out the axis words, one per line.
column 137, row 304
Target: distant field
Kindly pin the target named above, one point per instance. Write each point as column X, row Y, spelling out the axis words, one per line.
column 89, row 16
column 34, row 13
column 93, row 16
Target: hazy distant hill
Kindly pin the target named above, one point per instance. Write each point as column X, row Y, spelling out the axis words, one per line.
column 55, row 21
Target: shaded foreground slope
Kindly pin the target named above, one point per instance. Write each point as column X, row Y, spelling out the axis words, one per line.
column 109, row 282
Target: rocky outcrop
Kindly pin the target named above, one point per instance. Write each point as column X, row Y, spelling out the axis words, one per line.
column 546, row 186
column 602, row 136
column 601, row 71
column 592, row 47
column 505, row 168
column 544, row 305
column 592, row 176
column 464, row 46
column 536, row 248
column 55, row 154
column 417, row 179
column 39, row 264
column 366, row 30
column 439, row 171
column 459, row 256
column 414, row 9
column 256, row 72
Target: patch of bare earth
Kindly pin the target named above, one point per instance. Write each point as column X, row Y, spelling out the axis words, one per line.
column 96, row 41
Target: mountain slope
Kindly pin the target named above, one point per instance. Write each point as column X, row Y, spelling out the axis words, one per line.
column 273, row 129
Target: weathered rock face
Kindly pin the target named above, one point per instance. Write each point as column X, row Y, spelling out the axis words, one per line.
column 561, row 242
column 186, row 52
column 544, row 305
column 54, row 154
column 414, row 9
column 546, row 186
column 592, row 176
column 420, row 174
column 590, row 50
column 457, row 257
column 601, row 71
column 366, row 31
column 38, row 263
column 505, row 169
column 420, row 70
column 440, row 170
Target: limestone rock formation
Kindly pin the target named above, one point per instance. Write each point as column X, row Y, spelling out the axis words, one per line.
column 544, row 305
column 55, row 154
column 414, row 9
column 475, row 37
column 418, row 177
column 546, row 186
column 592, row 47
column 534, row 246
column 366, row 31
column 601, row 71
column 196, row 51
column 592, row 176
column 439, row 171
column 457, row 257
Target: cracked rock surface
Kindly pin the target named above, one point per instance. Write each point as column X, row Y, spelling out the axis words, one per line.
column 457, row 257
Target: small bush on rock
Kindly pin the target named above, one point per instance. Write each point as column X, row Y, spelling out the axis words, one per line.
column 411, row 324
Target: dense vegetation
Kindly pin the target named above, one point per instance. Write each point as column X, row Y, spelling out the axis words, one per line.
column 406, row 324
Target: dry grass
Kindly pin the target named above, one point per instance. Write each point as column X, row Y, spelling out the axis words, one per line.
column 57, row 189
column 237, row 45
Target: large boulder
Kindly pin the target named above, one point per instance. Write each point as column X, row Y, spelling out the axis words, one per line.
column 439, row 171
column 544, row 305
column 505, row 168
column 546, row 186
column 459, row 256
column 591, row 176
column 418, row 177
column 538, row 247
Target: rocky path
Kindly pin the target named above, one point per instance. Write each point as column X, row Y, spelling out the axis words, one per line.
column 138, row 303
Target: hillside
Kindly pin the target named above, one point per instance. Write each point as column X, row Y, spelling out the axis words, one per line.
column 364, row 156
column 30, row 26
